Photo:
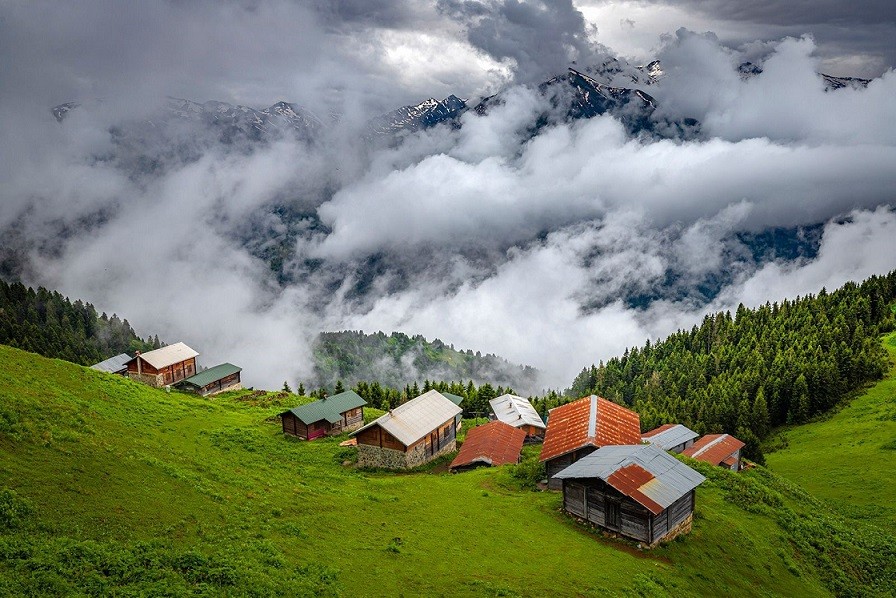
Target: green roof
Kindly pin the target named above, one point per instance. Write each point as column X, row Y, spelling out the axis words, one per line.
column 330, row 409
column 453, row 398
column 210, row 375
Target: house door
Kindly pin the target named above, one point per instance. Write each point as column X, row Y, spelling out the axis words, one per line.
column 316, row 430
column 613, row 517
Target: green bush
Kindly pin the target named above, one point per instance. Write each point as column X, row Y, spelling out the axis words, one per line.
column 14, row 510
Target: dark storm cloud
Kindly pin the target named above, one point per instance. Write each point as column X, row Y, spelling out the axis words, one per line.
column 542, row 36
column 794, row 12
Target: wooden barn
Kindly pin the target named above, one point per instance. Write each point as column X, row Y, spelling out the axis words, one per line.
column 640, row 492
column 411, row 434
column 717, row 449
column 164, row 366
column 671, row 437
column 519, row 413
column 579, row 428
column 491, row 444
column 114, row 365
column 213, row 380
column 325, row 417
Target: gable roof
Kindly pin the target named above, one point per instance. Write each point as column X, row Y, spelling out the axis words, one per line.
column 516, row 411
column 714, row 448
column 457, row 400
column 162, row 358
column 113, row 364
column 330, row 408
column 494, row 443
column 206, row 377
column 415, row 419
column 590, row 421
column 669, row 436
column 645, row 473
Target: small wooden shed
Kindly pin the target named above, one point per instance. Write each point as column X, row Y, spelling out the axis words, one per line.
column 491, row 444
column 519, row 413
column 717, row 449
column 411, row 434
column 164, row 366
column 213, row 380
column 640, row 492
column 671, row 437
column 579, row 428
column 340, row 413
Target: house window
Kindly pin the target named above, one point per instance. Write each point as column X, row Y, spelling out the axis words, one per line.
column 446, row 431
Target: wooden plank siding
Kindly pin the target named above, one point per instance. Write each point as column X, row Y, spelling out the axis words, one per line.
column 164, row 376
column 558, row 464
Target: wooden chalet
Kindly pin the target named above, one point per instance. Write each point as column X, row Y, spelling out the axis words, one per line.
column 164, row 366
column 519, row 413
column 670, row 437
column 640, row 492
column 114, row 365
column 491, row 444
column 581, row 427
column 213, row 380
column 717, row 449
column 411, row 434
column 325, row 417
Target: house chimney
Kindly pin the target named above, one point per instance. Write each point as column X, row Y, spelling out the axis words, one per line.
column 139, row 367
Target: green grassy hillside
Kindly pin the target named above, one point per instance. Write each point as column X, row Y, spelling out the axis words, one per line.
column 111, row 487
column 849, row 458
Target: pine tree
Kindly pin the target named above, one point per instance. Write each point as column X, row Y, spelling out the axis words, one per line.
column 286, row 387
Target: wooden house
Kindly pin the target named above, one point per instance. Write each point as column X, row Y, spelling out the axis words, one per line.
column 114, row 365
column 213, row 380
column 411, row 434
column 325, row 417
column 164, row 366
column 579, row 428
column 670, row 437
column 491, row 444
column 519, row 413
column 640, row 492
column 717, row 449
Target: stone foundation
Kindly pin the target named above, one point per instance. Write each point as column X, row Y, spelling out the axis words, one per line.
column 683, row 527
column 156, row 380
column 374, row 456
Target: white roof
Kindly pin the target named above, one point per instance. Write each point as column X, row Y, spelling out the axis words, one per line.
column 416, row 418
column 516, row 411
column 162, row 358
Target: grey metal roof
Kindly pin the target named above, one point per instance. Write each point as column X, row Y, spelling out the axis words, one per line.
column 672, row 437
column 515, row 411
column 113, row 364
column 673, row 479
column 416, row 418
column 330, row 408
column 162, row 358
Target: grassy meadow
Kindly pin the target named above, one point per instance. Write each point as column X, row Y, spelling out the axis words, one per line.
column 849, row 457
column 109, row 487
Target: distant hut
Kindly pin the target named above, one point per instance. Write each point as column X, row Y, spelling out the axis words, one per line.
column 340, row 413
column 640, row 492
column 213, row 380
column 519, row 413
column 579, row 428
column 164, row 366
column 411, row 434
column 114, row 365
column 717, row 449
column 494, row 443
column 671, row 437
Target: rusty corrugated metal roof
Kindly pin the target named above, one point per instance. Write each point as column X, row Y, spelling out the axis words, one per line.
column 494, row 443
column 714, row 448
column 590, row 421
column 656, row 431
column 669, row 480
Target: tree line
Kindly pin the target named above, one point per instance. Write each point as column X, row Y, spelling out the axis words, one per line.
column 46, row 323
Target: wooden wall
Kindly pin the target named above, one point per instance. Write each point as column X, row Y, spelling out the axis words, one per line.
column 558, row 464
column 376, row 436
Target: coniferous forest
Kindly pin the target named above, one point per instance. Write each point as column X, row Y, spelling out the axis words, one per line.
column 47, row 323
column 746, row 372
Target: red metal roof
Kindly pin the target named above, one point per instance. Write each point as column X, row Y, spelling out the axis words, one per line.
column 494, row 443
column 629, row 480
column 590, row 421
column 656, row 431
column 714, row 448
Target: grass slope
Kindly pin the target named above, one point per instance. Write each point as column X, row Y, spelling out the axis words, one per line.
column 111, row 487
column 849, row 458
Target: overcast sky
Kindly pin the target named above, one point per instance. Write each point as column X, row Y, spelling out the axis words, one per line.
column 521, row 247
